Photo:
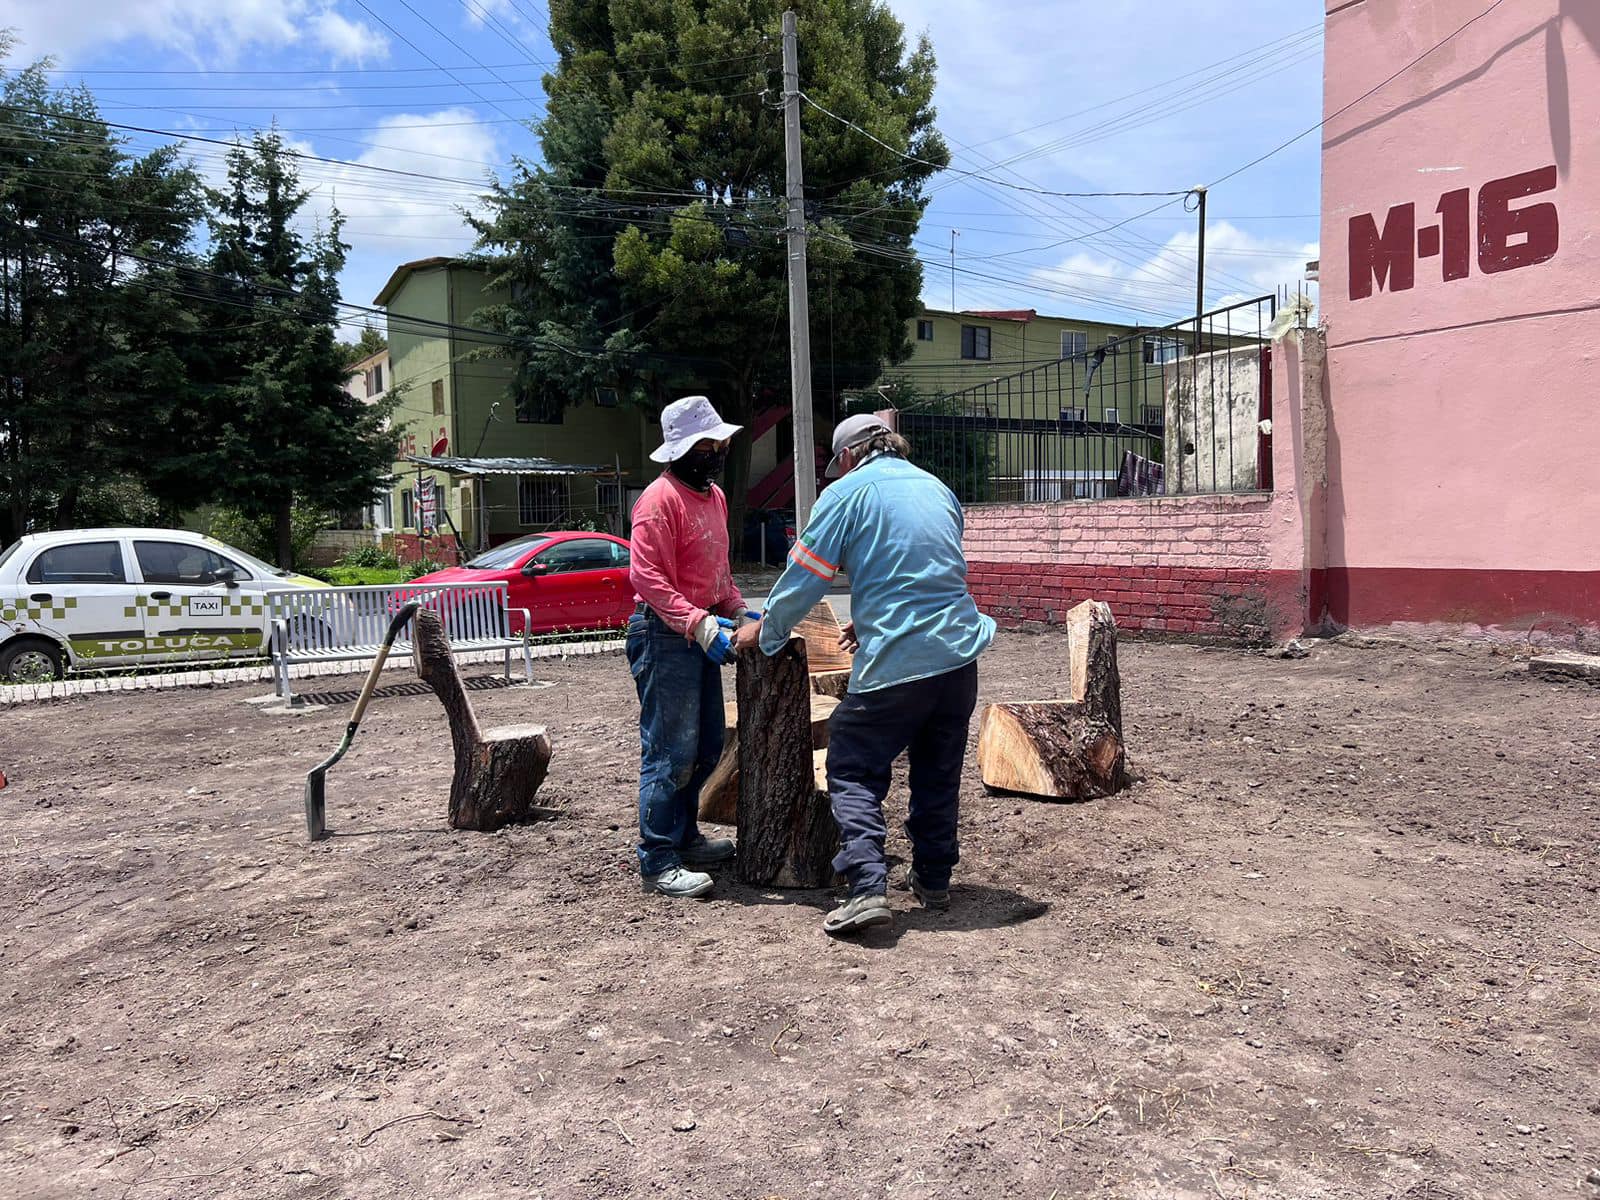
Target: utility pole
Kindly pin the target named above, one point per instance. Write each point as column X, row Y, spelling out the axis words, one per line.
column 1200, row 270
column 954, row 234
column 805, row 439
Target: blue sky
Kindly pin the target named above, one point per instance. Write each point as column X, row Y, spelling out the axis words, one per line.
column 1066, row 95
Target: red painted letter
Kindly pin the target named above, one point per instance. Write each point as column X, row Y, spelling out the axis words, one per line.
column 1456, row 209
column 1498, row 223
column 1387, row 259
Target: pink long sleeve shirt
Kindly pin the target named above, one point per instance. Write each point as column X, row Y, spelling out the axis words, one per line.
column 679, row 554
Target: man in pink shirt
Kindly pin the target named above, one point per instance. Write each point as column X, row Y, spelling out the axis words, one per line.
column 678, row 643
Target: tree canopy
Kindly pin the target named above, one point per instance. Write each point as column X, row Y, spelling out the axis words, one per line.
column 648, row 248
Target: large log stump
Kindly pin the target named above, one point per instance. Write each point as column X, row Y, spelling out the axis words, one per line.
column 498, row 771
column 787, row 835
column 1063, row 749
column 719, row 795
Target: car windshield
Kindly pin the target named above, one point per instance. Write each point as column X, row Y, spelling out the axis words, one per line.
column 250, row 560
column 503, row 557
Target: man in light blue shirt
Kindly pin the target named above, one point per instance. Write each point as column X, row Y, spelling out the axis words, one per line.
column 916, row 633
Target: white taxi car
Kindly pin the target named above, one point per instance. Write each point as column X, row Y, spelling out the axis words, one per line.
column 87, row 599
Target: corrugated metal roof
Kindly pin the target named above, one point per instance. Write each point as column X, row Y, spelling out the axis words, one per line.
column 509, row 466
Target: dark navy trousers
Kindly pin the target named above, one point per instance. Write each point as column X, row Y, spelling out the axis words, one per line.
column 928, row 719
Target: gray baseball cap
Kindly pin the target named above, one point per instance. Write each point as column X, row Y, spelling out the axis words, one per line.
column 685, row 422
column 852, row 431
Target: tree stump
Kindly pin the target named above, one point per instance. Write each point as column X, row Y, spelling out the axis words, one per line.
column 719, row 795
column 787, row 835
column 1063, row 749
column 498, row 771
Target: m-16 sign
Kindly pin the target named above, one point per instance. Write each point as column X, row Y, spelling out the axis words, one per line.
column 1508, row 238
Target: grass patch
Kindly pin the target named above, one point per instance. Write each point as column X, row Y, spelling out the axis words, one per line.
column 360, row 576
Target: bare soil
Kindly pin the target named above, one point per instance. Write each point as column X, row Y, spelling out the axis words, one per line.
column 1339, row 940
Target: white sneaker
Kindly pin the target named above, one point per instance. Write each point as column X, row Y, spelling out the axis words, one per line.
column 678, row 882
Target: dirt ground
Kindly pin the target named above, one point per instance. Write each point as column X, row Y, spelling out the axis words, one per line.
column 1339, row 940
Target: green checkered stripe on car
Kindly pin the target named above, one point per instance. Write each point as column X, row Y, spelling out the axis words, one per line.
column 27, row 610
column 244, row 606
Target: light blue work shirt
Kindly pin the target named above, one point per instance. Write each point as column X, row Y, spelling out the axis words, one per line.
column 895, row 530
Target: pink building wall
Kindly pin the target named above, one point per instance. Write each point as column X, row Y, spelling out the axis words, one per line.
column 1463, row 333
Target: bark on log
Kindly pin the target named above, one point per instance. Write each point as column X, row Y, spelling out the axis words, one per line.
column 830, row 683
column 787, row 835
column 1063, row 749
column 1049, row 748
column 497, row 771
column 1092, row 650
column 719, row 795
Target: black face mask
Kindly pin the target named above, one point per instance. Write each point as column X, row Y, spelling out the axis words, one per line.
column 698, row 466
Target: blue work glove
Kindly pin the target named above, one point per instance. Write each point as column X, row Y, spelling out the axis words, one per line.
column 712, row 635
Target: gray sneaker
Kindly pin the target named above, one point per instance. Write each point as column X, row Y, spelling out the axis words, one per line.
column 707, row 852
column 937, row 899
column 858, row 913
column 678, row 883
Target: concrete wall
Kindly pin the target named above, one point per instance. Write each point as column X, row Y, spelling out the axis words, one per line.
column 1461, row 295
column 1213, row 414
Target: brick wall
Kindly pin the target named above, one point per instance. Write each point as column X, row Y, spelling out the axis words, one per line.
column 1196, row 565
column 1229, row 566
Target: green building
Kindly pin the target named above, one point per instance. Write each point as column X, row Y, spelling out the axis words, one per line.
column 502, row 465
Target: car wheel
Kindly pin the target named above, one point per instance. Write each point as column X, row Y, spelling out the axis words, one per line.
column 31, row 660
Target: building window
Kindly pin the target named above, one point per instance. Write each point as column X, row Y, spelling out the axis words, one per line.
column 542, row 499
column 975, row 341
column 605, row 397
column 542, row 407
column 408, row 509
column 1155, row 414
column 1111, row 416
column 438, row 397
column 924, row 331
column 1159, row 350
column 375, row 379
column 1074, row 343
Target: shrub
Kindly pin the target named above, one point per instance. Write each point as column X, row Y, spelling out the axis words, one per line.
column 423, row 566
column 372, row 557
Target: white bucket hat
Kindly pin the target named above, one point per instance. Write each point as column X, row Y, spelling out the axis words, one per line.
column 685, row 422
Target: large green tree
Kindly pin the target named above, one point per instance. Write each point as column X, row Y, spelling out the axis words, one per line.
column 90, row 326
column 280, row 426
column 648, row 246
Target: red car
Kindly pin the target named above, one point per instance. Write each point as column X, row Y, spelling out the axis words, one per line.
column 565, row 580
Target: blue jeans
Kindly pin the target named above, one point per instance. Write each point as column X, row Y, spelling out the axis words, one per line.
column 680, row 736
column 928, row 719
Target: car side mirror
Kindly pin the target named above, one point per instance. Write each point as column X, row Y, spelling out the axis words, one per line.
column 536, row 568
column 225, row 575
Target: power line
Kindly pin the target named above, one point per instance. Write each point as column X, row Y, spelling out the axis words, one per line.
column 970, row 174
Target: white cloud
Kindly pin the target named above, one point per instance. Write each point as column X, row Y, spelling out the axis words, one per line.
column 212, row 32
column 347, row 40
column 1239, row 266
column 392, row 218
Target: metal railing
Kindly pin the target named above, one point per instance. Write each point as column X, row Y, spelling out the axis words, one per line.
column 1181, row 409
column 347, row 624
